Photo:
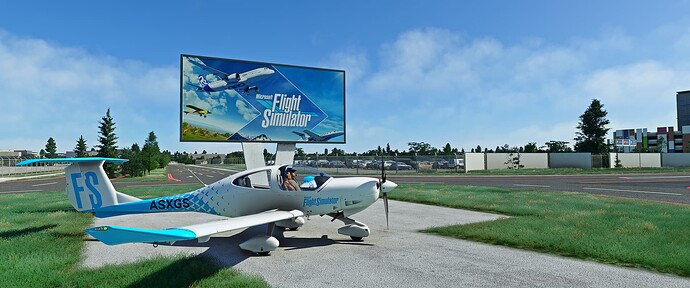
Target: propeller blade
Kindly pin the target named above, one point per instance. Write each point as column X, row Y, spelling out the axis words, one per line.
column 385, row 207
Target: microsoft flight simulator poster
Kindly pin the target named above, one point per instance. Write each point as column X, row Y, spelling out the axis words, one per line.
column 224, row 100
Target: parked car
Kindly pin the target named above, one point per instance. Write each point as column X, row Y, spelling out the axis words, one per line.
column 400, row 166
column 337, row 164
column 422, row 165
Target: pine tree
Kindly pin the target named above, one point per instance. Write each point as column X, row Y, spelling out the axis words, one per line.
column 151, row 152
column 80, row 149
column 593, row 129
column 51, row 148
column 107, row 140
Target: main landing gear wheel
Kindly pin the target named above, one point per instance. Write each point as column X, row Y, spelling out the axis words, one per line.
column 356, row 239
column 264, row 253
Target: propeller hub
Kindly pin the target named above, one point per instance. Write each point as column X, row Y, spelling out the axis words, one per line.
column 388, row 186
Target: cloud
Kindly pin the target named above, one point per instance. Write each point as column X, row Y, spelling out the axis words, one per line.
column 434, row 84
column 62, row 92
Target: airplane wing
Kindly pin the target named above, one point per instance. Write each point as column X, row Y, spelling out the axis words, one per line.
column 114, row 235
column 313, row 136
column 195, row 108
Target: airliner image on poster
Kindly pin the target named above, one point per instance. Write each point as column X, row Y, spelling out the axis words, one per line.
column 257, row 98
column 313, row 137
column 240, row 82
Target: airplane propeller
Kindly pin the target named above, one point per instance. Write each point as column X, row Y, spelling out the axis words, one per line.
column 382, row 191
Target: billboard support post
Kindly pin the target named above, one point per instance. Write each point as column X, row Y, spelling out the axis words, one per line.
column 253, row 155
column 285, row 153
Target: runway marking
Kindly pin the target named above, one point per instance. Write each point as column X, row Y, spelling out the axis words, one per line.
column 20, row 191
column 654, row 177
column 44, row 184
column 633, row 191
column 529, row 185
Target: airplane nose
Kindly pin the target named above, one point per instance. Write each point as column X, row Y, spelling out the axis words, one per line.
column 388, row 186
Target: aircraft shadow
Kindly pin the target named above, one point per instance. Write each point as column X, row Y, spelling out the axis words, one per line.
column 161, row 278
column 227, row 251
column 22, row 232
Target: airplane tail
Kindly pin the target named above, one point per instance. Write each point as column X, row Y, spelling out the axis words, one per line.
column 88, row 187
column 301, row 135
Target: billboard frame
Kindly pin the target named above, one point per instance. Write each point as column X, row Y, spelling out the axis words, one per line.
column 182, row 91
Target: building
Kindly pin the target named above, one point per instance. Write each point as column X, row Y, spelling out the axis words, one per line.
column 683, row 108
column 664, row 140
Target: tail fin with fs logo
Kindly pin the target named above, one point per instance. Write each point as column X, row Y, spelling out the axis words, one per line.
column 88, row 187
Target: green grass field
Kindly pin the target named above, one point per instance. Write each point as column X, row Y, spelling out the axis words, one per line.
column 619, row 231
column 41, row 238
column 41, row 242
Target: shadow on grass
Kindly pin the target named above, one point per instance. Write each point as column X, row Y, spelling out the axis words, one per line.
column 187, row 271
column 22, row 232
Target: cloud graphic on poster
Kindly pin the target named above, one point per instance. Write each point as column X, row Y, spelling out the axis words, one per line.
column 248, row 113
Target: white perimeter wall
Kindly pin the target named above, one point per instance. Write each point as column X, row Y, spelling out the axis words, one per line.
column 474, row 161
column 529, row 160
column 632, row 160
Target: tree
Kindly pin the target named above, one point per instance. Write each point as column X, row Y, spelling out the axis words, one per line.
column 478, row 149
column 51, row 148
column 135, row 166
column 107, row 140
column 80, row 149
column 421, row 148
column 388, row 149
column 447, row 150
column 150, row 154
column 557, row 146
column 531, row 147
column 593, row 129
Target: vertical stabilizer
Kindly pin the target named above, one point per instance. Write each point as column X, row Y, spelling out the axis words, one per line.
column 88, row 187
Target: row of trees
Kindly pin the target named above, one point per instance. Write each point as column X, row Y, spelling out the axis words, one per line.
column 141, row 160
column 590, row 137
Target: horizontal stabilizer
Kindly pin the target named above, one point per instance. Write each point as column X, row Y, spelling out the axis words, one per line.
column 114, row 235
column 72, row 160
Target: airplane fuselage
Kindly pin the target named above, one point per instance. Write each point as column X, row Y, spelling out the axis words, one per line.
column 229, row 198
column 236, row 81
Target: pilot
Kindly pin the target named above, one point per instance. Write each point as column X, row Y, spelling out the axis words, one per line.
column 290, row 183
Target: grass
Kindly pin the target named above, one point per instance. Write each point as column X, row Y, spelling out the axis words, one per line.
column 157, row 175
column 618, row 231
column 41, row 243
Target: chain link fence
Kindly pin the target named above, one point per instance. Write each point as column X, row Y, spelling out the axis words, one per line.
column 9, row 168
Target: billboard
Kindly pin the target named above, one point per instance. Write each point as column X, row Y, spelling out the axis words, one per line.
column 225, row 100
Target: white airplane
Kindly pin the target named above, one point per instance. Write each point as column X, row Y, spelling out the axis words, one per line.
column 313, row 137
column 240, row 82
column 249, row 198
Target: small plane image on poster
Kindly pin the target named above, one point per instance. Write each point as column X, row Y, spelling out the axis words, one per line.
column 241, row 101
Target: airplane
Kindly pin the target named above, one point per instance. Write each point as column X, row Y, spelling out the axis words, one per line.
column 240, row 82
column 248, row 198
column 313, row 137
column 197, row 110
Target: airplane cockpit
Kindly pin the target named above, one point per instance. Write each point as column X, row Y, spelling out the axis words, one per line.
column 308, row 178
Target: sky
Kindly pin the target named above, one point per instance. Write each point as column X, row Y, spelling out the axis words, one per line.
column 467, row 73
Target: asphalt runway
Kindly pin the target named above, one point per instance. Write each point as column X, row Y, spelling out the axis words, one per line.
column 316, row 256
column 667, row 187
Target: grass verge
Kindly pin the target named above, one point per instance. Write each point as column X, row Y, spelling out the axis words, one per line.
column 618, row 231
column 41, row 240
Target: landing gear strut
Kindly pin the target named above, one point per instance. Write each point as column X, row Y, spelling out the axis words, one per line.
column 353, row 228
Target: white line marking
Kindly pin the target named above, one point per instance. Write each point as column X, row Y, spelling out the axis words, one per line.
column 653, row 177
column 22, row 191
column 44, row 184
column 633, row 191
column 528, row 185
